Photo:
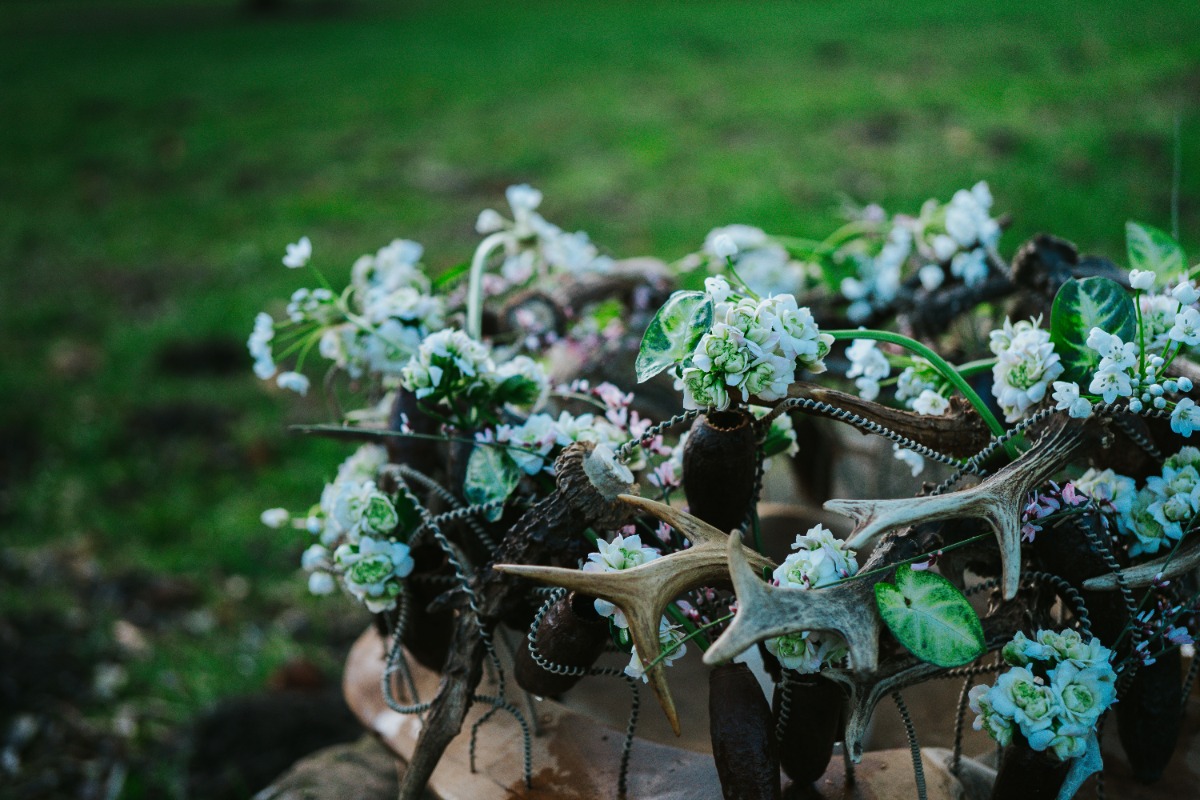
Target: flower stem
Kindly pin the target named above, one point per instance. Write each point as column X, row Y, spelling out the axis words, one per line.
column 475, row 283
column 940, row 364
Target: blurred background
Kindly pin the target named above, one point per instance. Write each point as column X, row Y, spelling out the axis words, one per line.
column 156, row 156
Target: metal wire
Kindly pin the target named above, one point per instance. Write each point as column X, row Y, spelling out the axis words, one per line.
column 1069, row 593
column 785, row 705
column 625, row 451
column 870, row 426
column 959, row 720
column 914, row 748
column 466, row 514
column 1190, row 679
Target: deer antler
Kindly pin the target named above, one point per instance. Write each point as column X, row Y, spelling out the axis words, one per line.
column 765, row 611
column 997, row 500
column 1184, row 560
column 644, row 592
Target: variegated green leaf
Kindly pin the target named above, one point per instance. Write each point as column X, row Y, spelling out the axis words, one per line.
column 1154, row 250
column 930, row 617
column 1079, row 306
column 673, row 333
column 491, row 475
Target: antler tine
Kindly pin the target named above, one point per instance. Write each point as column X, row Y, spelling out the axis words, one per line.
column 1184, row 560
column 644, row 592
column 765, row 611
column 696, row 530
column 864, row 695
column 997, row 500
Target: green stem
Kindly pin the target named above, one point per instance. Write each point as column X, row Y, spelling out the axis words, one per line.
column 940, row 364
column 975, row 367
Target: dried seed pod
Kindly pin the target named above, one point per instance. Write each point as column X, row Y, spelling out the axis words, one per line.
column 743, row 735
column 719, row 468
column 814, row 719
column 572, row 634
column 1026, row 774
column 1149, row 716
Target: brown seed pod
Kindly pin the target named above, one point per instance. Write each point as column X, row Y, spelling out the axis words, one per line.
column 719, row 468
column 743, row 735
column 572, row 634
column 1149, row 715
column 1026, row 774
column 814, row 719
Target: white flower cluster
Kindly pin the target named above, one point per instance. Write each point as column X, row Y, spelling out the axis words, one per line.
column 878, row 279
column 534, row 246
column 539, row 438
column 1169, row 324
column 1054, row 693
column 357, row 526
column 1026, row 364
column 868, row 366
column 1166, row 507
column 820, row 559
column 921, row 389
column 391, row 311
column 959, row 234
column 752, row 348
column 450, row 366
column 762, row 263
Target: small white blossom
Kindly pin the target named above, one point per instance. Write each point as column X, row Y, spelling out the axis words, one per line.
column 1110, row 385
column 868, row 366
column 1186, row 417
column 259, row 345
column 276, row 517
column 293, row 381
column 915, row 461
column 489, row 221
column 1141, row 279
column 931, row 403
column 931, row 276
column 1186, row 293
column 723, row 246
column 321, row 584
column 1066, row 395
column 1186, row 329
column 298, row 254
column 670, row 639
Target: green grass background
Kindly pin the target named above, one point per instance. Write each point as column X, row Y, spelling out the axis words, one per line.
column 155, row 158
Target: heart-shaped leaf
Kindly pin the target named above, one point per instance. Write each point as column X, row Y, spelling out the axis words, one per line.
column 1079, row 306
column 1154, row 250
column 491, row 475
column 672, row 334
column 929, row 616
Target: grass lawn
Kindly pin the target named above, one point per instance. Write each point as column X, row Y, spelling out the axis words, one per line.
column 155, row 158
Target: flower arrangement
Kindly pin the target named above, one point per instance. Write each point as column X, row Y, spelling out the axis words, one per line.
column 509, row 413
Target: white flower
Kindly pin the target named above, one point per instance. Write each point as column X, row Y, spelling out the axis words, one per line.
column 820, row 559
column 1186, row 329
column 276, row 517
column 1141, row 279
column 298, row 254
column 1068, row 399
column 444, row 363
column 314, row 558
column 538, row 433
column 1106, row 486
column 704, row 389
column 489, row 221
column 1110, row 385
column 931, row 403
column 931, row 276
column 293, row 381
column 259, row 345
column 1186, row 417
column 1186, row 293
column 1158, row 317
column 971, row 266
column 321, row 583
column 868, row 365
column 623, row 552
column 719, row 290
column 1025, row 366
column 371, row 569
column 1119, row 355
column 723, row 246
column 363, row 464
column 807, row 652
column 915, row 461
column 670, row 639
column 944, row 247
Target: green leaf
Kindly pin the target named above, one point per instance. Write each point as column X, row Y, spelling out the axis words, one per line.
column 672, row 334
column 1154, row 250
column 930, row 617
column 491, row 475
column 1081, row 305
